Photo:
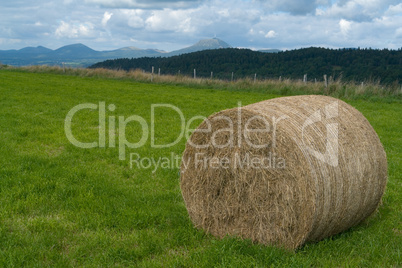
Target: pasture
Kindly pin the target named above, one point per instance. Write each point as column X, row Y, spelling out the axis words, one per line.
column 65, row 206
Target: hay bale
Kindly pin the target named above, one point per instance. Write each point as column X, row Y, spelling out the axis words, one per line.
column 283, row 171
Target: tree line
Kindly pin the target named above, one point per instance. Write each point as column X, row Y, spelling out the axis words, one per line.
column 350, row 64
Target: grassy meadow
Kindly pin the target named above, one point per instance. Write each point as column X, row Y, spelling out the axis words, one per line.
column 64, row 206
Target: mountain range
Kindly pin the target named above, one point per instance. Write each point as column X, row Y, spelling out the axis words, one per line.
column 79, row 55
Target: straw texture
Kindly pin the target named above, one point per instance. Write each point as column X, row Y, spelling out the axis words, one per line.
column 283, row 171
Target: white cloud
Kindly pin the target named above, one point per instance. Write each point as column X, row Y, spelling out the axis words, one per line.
column 398, row 33
column 358, row 10
column 7, row 41
column 169, row 24
column 345, row 26
column 106, row 17
column 223, row 13
column 295, row 7
column 171, row 21
column 145, row 4
column 394, row 10
column 134, row 17
column 74, row 30
column 271, row 34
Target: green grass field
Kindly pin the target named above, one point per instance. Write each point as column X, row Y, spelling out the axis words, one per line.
column 63, row 206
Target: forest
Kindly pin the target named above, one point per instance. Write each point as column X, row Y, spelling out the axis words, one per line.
column 348, row 64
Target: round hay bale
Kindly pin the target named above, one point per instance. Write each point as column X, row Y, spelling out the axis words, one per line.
column 283, row 171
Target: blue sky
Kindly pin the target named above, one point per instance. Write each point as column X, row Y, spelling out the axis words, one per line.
column 170, row 25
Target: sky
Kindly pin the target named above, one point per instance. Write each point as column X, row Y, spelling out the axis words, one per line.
column 169, row 25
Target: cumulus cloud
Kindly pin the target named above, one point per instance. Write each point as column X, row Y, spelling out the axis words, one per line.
column 271, row 34
column 345, row 26
column 398, row 32
column 74, row 30
column 394, row 10
column 359, row 10
column 173, row 24
column 106, row 18
column 295, row 7
column 8, row 41
column 145, row 4
column 135, row 21
column 170, row 20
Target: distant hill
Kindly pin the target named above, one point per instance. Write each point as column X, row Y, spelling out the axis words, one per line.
column 79, row 55
column 75, row 55
column 34, row 50
column 346, row 64
column 205, row 44
column 132, row 52
column 269, row 50
column 75, row 51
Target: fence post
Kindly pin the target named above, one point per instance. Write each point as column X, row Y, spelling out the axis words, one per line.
column 305, row 78
column 255, row 77
column 212, row 75
column 195, row 75
column 325, row 81
column 232, row 77
column 152, row 74
column 159, row 72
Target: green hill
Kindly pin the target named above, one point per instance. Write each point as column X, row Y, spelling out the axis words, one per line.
column 347, row 64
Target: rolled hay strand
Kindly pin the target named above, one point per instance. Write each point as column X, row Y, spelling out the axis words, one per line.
column 284, row 171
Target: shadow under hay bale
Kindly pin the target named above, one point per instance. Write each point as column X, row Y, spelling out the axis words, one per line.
column 283, row 171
